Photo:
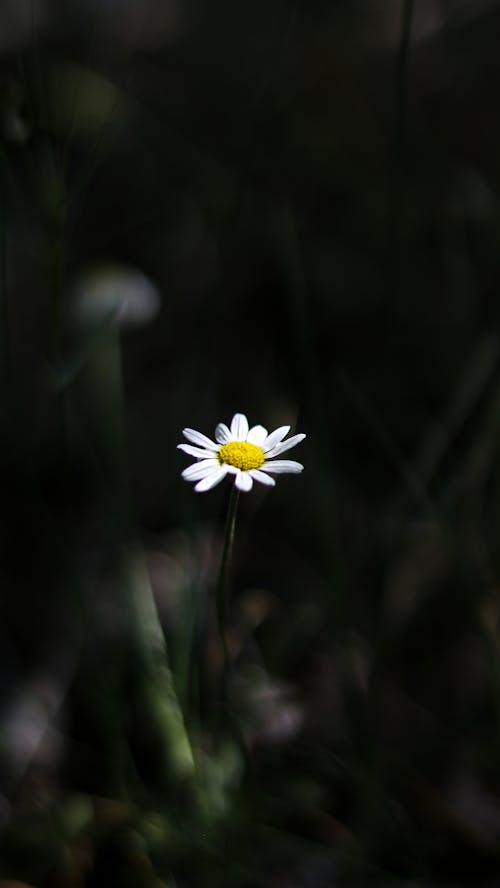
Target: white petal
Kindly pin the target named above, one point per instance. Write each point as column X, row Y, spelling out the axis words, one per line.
column 275, row 437
column 197, row 451
column 211, row 480
column 257, row 435
column 198, row 438
column 239, row 427
column 222, row 434
column 285, row 445
column 257, row 475
column 243, row 481
column 199, row 469
column 282, row 465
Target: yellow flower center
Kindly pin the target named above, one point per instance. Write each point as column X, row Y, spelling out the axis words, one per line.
column 242, row 454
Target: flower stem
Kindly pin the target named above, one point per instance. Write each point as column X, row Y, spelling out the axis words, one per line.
column 221, row 594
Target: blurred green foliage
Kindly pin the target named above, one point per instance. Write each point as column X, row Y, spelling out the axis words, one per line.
column 291, row 211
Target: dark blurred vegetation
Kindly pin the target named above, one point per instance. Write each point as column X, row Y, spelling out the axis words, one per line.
column 290, row 210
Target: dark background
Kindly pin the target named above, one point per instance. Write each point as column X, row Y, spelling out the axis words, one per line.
column 290, row 210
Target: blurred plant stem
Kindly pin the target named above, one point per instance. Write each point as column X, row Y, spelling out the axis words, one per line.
column 148, row 669
column 155, row 676
column 221, row 589
column 151, row 662
column 105, row 376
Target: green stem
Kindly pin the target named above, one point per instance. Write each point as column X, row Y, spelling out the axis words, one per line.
column 221, row 595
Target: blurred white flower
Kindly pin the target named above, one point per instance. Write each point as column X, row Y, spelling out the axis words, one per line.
column 115, row 292
column 248, row 454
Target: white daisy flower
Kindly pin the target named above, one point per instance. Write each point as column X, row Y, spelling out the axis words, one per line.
column 248, row 454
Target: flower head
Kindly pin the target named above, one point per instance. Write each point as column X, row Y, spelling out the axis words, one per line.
column 248, row 454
